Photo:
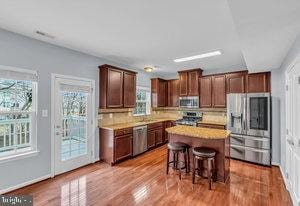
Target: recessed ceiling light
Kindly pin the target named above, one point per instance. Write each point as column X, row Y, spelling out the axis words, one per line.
column 148, row 69
column 44, row 34
column 200, row 56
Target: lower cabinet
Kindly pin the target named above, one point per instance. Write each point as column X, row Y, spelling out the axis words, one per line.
column 151, row 138
column 123, row 147
column 115, row 145
column 159, row 136
column 167, row 125
column 155, row 137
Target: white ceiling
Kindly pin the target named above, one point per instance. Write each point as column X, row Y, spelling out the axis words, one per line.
column 139, row 33
column 267, row 29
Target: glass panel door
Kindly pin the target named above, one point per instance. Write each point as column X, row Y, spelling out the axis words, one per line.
column 258, row 113
column 73, row 125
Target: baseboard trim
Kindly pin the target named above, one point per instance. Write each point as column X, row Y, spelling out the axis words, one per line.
column 30, row 182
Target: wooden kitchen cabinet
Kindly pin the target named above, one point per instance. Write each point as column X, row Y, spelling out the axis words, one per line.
column 114, row 88
column 183, row 84
column 218, row 91
column 117, row 87
column 236, row 82
column 129, row 89
column 193, row 83
column 158, row 92
column 151, row 138
column 123, row 147
column 206, row 91
column 115, row 145
column 167, row 125
column 159, row 136
column 155, row 134
column 189, row 82
column 173, row 93
column 258, row 82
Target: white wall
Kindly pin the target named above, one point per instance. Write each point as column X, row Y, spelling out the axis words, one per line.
column 24, row 52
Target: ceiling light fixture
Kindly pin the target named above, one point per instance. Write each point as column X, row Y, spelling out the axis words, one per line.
column 148, row 69
column 200, row 56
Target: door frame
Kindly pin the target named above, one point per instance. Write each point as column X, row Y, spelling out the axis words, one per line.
column 93, row 117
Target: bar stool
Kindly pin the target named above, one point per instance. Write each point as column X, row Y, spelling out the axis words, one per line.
column 199, row 155
column 178, row 148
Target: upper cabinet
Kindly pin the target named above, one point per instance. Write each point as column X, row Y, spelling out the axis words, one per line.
column 258, row 82
column 173, row 93
column 236, row 82
column 188, row 82
column 129, row 89
column 117, row 87
column 219, row 91
column 158, row 92
column 206, row 91
column 213, row 91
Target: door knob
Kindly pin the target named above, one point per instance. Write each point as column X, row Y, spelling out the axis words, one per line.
column 291, row 142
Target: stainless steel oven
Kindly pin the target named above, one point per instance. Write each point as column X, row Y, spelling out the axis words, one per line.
column 189, row 102
column 249, row 120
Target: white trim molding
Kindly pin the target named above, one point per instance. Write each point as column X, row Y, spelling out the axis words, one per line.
column 30, row 182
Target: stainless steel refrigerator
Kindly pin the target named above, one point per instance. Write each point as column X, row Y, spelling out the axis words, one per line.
column 249, row 120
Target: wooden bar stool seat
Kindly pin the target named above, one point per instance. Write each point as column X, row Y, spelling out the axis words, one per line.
column 199, row 155
column 178, row 148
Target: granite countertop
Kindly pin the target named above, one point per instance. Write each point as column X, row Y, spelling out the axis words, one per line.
column 223, row 123
column 135, row 124
column 198, row 132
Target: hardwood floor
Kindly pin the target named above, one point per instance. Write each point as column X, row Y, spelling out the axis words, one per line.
column 142, row 181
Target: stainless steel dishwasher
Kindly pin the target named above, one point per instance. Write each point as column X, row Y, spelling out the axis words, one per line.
column 139, row 140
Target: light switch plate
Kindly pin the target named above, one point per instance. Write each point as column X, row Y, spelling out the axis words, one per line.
column 44, row 113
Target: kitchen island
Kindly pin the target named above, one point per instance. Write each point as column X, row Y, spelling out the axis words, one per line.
column 217, row 139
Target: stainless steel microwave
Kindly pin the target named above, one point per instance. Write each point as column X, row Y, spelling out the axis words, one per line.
column 189, row 102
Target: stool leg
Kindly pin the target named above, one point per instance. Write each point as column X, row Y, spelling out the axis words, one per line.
column 200, row 167
column 209, row 161
column 199, row 164
column 185, row 162
column 174, row 160
column 178, row 165
column 168, row 155
column 194, row 169
column 188, row 158
column 214, row 170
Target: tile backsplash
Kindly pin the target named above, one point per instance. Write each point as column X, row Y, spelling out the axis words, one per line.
column 127, row 116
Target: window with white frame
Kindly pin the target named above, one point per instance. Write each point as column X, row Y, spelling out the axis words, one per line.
column 143, row 101
column 17, row 111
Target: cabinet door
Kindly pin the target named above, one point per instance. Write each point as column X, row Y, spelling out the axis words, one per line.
column 122, row 147
column 183, row 83
column 219, row 91
column 193, row 86
column 235, row 82
column 161, row 99
column 159, row 136
column 151, row 138
column 114, row 88
column 129, row 89
column 258, row 82
column 205, row 92
column 173, row 93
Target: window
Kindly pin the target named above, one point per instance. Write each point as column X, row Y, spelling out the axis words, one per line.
column 142, row 101
column 17, row 112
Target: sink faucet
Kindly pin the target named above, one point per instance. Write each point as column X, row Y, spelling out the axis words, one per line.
column 144, row 117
